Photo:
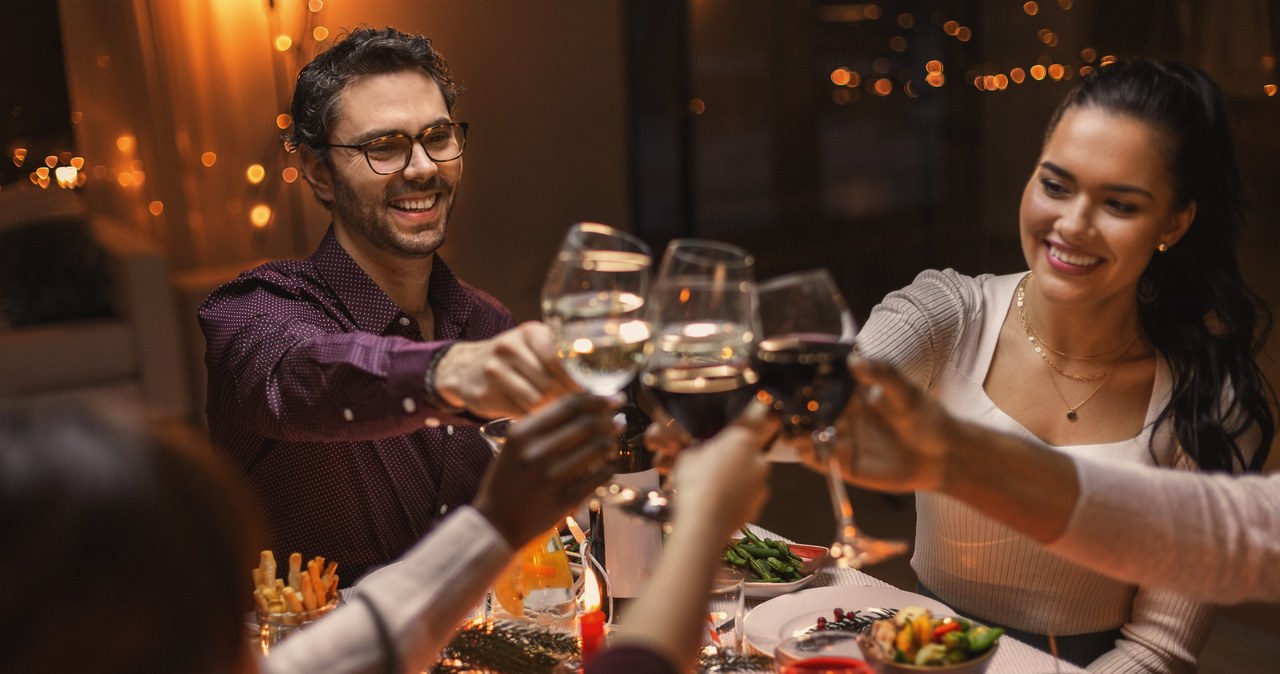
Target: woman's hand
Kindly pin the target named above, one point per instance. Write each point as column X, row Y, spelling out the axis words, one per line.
column 721, row 484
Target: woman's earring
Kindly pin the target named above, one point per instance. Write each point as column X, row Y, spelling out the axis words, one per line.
column 1162, row 247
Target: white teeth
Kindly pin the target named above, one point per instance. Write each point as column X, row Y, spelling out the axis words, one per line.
column 1078, row 260
column 415, row 204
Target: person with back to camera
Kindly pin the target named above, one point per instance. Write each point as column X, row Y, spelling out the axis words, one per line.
column 1131, row 340
column 345, row 386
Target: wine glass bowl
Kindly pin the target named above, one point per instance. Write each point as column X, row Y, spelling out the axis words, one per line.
column 703, row 308
column 593, row 301
column 801, row 361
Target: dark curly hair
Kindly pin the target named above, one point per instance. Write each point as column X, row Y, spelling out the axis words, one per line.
column 365, row 51
column 1193, row 303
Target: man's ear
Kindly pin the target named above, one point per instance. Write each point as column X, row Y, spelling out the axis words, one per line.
column 318, row 174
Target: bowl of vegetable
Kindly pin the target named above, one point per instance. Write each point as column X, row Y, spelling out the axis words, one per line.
column 915, row 640
column 772, row 567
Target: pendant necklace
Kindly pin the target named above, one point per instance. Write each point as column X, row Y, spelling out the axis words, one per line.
column 1103, row 376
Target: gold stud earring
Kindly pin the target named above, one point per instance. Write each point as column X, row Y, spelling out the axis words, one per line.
column 1162, row 247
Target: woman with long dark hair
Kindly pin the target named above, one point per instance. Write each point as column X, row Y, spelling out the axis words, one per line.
column 1132, row 338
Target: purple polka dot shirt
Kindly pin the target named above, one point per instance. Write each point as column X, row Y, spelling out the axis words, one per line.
column 317, row 391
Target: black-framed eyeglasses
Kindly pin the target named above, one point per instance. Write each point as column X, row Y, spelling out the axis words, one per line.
column 391, row 154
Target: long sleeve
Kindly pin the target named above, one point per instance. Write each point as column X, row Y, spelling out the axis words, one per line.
column 421, row 599
column 1211, row 537
column 916, row 328
column 1165, row 635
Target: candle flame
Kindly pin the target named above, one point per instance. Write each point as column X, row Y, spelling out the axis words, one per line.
column 590, row 591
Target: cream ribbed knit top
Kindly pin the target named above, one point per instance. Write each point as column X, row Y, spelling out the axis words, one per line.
column 941, row 331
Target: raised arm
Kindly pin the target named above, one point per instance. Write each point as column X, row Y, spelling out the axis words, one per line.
column 1210, row 537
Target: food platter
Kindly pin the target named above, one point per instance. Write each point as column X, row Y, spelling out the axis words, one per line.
column 813, row 555
column 794, row 613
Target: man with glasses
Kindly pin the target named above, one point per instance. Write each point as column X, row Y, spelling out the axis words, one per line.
column 346, row 385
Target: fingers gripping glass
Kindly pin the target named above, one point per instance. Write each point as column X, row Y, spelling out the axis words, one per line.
column 391, row 154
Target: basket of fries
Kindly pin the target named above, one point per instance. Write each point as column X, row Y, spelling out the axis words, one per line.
column 284, row 605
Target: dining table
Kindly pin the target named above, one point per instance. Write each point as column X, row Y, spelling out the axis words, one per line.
column 1012, row 656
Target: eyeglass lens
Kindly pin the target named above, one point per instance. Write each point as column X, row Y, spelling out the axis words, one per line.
column 391, row 154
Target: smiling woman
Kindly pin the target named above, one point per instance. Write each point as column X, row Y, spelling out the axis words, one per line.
column 1128, row 225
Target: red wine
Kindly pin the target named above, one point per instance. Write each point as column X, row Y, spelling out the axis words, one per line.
column 702, row 399
column 827, row 665
column 806, row 379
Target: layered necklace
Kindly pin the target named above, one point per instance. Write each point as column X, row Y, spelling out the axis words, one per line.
column 1040, row 346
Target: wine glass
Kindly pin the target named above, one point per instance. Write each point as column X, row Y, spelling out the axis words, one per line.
column 807, row 335
column 703, row 307
column 593, row 301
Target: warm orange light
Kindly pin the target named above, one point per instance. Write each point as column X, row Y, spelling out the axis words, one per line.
column 320, row 33
column 77, row 117
column 124, row 143
column 77, row 163
column 1085, row 70
column 1065, row 4
column 684, row 295
column 51, row 160
column 935, row 79
column 260, row 216
column 854, row 79
column 315, row 5
column 1037, row 72
column 1270, row 89
column 156, row 207
column 950, row 27
column 43, row 183
column 1056, row 71
column 883, row 87
column 1107, row 60
column 1017, row 75
column 990, row 83
column 209, row 158
column 283, row 121
column 906, row 20
column 697, row 106
column 977, row 82
column 898, row 43
column 67, row 176
column 283, row 42
column 1088, row 54
column 289, row 175
column 103, row 61
column 934, row 66
column 909, row 89
column 255, row 173
column 19, row 156
column 139, row 177
column 590, row 591
column 42, row 172
column 871, row 12
column 1002, row 81
column 125, row 179
column 840, row 77
column 1030, row 8
column 963, row 34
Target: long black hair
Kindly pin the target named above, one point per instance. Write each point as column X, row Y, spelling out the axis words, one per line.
column 1193, row 303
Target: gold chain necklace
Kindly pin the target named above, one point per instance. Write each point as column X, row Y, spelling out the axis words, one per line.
column 1071, row 409
column 1034, row 338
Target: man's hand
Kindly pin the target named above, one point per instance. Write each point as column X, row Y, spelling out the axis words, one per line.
column 509, row 375
column 552, row 460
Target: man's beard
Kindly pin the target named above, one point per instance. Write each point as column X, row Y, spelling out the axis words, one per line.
column 362, row 217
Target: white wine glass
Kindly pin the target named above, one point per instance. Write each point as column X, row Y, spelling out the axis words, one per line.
column 703, row 308
column 594, row 302
column 807, row 334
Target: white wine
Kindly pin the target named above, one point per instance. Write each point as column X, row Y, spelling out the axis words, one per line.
column 600, row 338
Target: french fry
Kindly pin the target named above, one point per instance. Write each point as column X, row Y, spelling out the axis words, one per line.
column 327, row 577
column 308, row 594
column 333, row 590
column 295, row 571
column 292, row 599
column 260, row 601
column 257, row 577
column 267, row 562
column 316, row 567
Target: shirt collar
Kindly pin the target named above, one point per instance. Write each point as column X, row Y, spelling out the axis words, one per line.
column 372, row 309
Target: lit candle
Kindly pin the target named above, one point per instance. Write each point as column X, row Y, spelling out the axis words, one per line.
column 591, row 620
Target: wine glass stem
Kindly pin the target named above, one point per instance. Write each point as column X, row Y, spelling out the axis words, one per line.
column 840, row 505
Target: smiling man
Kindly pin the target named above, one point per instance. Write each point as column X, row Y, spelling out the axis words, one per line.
column 346, row 385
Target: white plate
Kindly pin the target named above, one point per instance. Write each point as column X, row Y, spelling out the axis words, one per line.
column 792, row 614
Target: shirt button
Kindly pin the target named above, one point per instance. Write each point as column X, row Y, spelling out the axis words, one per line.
column 348, row 414
column 404, row 320
column 409, row 405
column 449, row 429
column 444, row 508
